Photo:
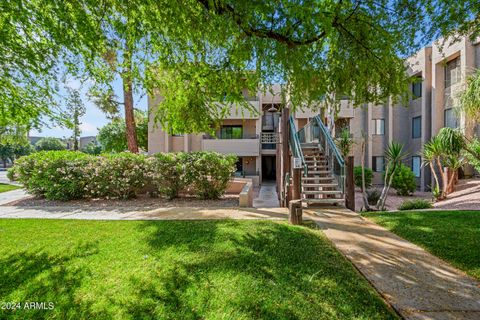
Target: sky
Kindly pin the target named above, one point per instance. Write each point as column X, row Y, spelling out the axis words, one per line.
column 93, row 118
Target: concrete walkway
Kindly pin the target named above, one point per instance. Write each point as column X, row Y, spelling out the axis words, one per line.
column 14, row 195
column 267, row 196
column 417, row 284
column 118, row 213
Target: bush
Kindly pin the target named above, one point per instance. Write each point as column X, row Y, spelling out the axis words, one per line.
column 415, row 204
column 117, row 176
column 357, row 173
column 373, row 196
column 50, row 144
column 55, row 175
column 66, row 175
column 209, row 173
column 404, row 181
column 168, row 173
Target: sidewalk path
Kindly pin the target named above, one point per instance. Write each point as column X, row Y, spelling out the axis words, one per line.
column 267, row 196
column 119, row 213
column 9, row 196
column 417, row 284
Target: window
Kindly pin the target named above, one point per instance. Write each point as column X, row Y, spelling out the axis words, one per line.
column 416, row 161
column 378, row 126
column 378, row 164
column 416, row 127
column 452, row 72
column 451, row 119
column 417, row 87
column 231, row 132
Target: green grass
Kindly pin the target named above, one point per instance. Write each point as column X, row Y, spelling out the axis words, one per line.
column 7, row 187
column 179, row 270
column 451, row 235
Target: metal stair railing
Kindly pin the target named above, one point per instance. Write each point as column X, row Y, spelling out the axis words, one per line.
column 316, row 132
column 295, row 146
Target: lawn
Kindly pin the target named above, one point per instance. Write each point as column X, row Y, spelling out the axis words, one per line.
column 451, row 235
column 180, row 270
column 7, row 187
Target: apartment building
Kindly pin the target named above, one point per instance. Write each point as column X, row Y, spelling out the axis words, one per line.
column 439, row 76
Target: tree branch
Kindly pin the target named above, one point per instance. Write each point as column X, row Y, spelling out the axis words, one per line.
column 224, row 9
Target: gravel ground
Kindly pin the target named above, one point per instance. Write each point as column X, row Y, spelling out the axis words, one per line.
column 143, row 201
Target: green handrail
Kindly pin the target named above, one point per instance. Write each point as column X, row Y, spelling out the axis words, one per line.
column 295, row 146
column 330, row 141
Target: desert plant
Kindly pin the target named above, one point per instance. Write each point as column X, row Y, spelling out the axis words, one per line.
column 373, row 196
column 357, row 174
column 393, row 155
column 404, row 181
column 415, row 204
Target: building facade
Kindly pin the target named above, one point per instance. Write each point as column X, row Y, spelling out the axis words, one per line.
column 439, row 75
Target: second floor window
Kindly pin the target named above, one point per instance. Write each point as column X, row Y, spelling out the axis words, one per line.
column 231, row 132
column 416, row 127
column 417, row 87
column 452, row 72
column 378, row 126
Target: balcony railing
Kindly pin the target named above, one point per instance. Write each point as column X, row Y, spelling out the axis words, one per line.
column 219, row 137
column 242, row 147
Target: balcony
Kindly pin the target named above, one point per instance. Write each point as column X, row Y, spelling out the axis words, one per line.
column 245, row 147
column 269, row 140
column 237, row 112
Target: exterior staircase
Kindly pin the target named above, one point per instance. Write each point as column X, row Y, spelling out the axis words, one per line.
column 318, row 184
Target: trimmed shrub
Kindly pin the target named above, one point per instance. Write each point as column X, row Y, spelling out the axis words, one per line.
column 373, row 196
column 55, row 175
column 415, row 204
column 117, row 176
column 357, row 174
column 404, row 181
column 168, row 173
column 66, row 175
column 209, row 173
column 50, row 144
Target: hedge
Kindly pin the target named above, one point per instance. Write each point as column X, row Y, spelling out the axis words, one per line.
column 68, row 175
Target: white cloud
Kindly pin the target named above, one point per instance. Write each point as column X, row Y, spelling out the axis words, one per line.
column 88, row 129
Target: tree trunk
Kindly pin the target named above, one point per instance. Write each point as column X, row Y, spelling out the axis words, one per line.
column 432, row 168
column 384, row 198
column 366, row 205
column 451, row 181
column 128, row 102
column 384, row 190
column 444, row 179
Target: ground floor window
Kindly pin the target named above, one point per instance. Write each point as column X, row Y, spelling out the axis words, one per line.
column 378, row 164
column 416, row 164
column 451, row 120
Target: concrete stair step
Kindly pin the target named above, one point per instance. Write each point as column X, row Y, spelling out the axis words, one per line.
column 319, row 172
column 317, row 179
column 328, row 192
column 319, row 185
column 324, row 201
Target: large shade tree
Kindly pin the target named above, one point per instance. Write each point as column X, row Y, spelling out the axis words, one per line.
column 197, row 52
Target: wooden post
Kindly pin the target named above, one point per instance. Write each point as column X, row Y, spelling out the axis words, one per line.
column 296, row 184
column 295, row 212
column 349, row 184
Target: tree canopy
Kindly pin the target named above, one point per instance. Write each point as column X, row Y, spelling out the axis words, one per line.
column 199, row 52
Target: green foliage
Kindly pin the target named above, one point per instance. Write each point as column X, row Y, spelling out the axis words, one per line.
column 76, row 109
column 357, row 174
column 169, row 173
column 92, row 148
column 474, row 146
column 344, row 142
column 50, row 144
column 55, row 175
column 112, row 137
column 404, row 181
column 66, row 175
column 415, row 204
column 209, row 173
column 14, row 150
column 373, row 196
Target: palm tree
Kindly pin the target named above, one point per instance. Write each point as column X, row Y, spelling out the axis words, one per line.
column 394, row 155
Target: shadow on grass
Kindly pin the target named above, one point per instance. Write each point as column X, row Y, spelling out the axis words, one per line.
column 249, row 270
column 41, row 277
